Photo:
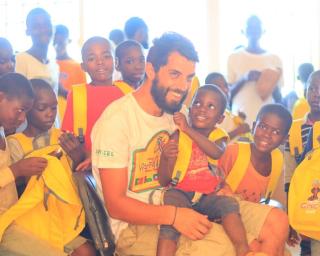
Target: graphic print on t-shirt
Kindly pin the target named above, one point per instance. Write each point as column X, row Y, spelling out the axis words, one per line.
column 145, row 164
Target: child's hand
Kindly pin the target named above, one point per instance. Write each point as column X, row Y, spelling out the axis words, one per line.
column 293, row 238
column 71, row 145
column 84, row 165
column 29, row 167
column 170, row 150
column 181, row 121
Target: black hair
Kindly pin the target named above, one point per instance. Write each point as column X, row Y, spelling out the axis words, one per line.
column 125, row 45
column 168, row 43
column 278, row 110
column 213, row 76
column 62, row 30
column 5, row 44
column 304, row 71
column 93, row 40
column 216, row 90
column 39, row 84
column 35, row 12
column 132, row 25
column 15, row 85
column 116, row 36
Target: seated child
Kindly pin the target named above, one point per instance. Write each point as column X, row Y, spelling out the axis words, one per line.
column 39, row 134
column 263, row 168
column 130, row 62
column 234, row 125
column 200, row 179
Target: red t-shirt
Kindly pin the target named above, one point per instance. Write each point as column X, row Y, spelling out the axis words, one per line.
column 199, row 178
column 98, row 98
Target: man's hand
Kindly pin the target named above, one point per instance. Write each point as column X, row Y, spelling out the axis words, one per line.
column 191, row 223
column 181, row 121
column 29, row 167
column 293, row 238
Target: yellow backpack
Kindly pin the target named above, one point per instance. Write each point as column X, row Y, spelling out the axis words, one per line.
column 80, row 105
column 295, row 139
column 185, row 151
column 50, row 207
column 304, row 196
column 300, row 109
column 241, row 165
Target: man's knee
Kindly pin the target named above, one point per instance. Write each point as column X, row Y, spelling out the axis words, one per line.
column 277, row 222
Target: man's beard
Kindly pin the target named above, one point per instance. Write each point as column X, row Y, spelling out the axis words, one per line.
column 159, row 95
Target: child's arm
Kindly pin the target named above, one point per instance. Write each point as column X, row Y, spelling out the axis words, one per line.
column 168, row 159
column 72, row 147
column 241, row 129
column 212, row 149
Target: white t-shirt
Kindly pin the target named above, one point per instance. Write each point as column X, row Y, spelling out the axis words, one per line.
column 247, row 100
column 125, row 136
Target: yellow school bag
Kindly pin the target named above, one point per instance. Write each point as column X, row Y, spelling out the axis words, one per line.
column 79, row 107
column 185, row 151
column 304, row 196
column 50, row 207
column 300, row 109
column 241, row 165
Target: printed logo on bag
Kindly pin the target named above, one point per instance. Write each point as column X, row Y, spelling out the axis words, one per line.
column 313, row 202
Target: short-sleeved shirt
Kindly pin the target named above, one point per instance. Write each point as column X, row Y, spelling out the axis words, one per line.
column 253, row 185
column 125, row 136
column 98, row 98
column 70, row 73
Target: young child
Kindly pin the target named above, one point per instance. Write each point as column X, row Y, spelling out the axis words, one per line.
column 85, row 107
column 16, row 99
column 270, row 130
column 297, row 146
column 234, row 125
column 40, row 134
column 301, row 106
column 206, row 111
column 7, row 58
column 130, row 62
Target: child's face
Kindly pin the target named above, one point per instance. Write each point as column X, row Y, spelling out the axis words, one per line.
column 40, row 29
column 98, row 62
column 7, row 61
column 268, row 132
column 132, row 64
column 13, row 110
column 205, row 111
column 313, row 94
column 60, row 43
column 44, row 110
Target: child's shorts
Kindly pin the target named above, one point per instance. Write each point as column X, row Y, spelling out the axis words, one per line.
column 212, row 205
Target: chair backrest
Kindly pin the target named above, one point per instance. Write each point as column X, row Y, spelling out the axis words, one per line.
column 96, row 216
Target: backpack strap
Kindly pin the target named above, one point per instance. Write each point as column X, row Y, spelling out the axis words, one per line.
column 123, row 86
column 79, row 109
column 185, row 152
column 24, row 141
column 240, row 166
column 242, row 162
column 295, row 139
column 195, row 84
column 316, row 134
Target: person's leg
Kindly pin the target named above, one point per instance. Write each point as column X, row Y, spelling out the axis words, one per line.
column 80, row 246
column 168, row 236
column 227, row 209
column 274, row 233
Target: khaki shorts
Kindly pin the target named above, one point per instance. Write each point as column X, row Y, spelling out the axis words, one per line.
column 142, row 239
column 18, row 242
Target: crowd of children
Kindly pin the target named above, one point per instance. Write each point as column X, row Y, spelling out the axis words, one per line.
column 204, row 158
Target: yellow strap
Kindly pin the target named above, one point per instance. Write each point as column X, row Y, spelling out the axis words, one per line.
column 24, row 141
column 195, row 84
column 79, row 108
column 185, row 152
column 123, row 86
column 241, row 165
column 295, row 139
column 316, row 134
